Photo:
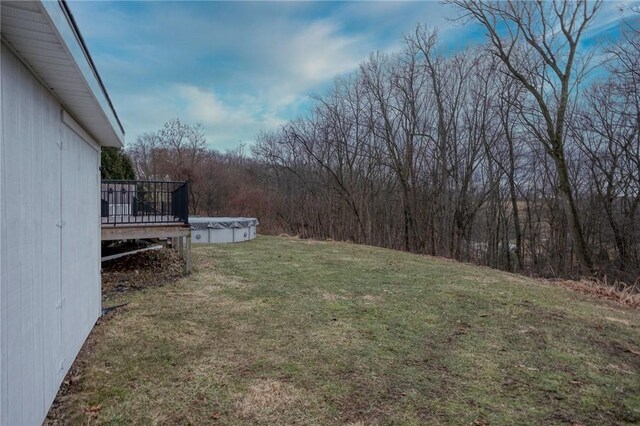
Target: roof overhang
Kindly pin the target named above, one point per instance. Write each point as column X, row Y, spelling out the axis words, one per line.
column 45, row 37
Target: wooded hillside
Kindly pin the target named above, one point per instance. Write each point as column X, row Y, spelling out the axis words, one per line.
column 521, row 154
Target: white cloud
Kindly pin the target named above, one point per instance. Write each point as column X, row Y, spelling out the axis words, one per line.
column 610, row 14
column 223, row 122
column 319, row 52
column 303, row 60
column 205, row 107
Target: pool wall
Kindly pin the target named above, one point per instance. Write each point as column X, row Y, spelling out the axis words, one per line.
column 215, row 230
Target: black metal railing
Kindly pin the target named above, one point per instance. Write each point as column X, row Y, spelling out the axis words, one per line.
column 144, row 201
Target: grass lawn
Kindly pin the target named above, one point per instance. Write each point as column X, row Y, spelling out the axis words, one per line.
column 291, row 331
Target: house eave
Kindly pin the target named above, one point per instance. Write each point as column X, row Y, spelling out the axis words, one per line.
column 45, row 37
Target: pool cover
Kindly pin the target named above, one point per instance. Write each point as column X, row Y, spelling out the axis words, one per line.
column 222, row 222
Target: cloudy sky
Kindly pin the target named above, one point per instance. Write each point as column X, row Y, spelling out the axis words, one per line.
column 241, row 67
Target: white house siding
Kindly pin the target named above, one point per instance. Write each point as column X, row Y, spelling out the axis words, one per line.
column 80, row 241
column 49, row 240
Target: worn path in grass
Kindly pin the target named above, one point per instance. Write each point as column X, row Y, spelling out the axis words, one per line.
column 300, row 332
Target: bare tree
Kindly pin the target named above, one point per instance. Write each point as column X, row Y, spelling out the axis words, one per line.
column 174, row 152
column 146, row 153
column 538, row 42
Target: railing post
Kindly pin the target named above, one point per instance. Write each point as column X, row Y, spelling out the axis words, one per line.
column 186, row 202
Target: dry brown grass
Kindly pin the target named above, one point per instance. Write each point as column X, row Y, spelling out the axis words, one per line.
column 368, row 298
column 627, row 296
column 332, row 297
column 289, row 237
column 267, row 400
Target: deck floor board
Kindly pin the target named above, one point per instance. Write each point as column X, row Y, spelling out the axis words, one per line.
column 146, row 220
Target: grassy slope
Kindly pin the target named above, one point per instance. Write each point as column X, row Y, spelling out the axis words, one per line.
column 289, row 331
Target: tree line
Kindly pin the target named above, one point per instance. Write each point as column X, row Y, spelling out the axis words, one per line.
column 516, row 154
column 220, row 184
column 521, row 154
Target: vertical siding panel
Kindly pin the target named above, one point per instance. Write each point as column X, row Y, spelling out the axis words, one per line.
column 11, row 326
column 51, row 260
column 33, row 388
column 38, row 127
column 80, row 281
column 25, row 232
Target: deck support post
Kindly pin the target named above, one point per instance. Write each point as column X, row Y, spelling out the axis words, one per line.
column 183, row 245
column 179, row 245
column 187, row 254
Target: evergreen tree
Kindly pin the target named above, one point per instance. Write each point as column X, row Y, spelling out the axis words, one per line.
column 115, row 164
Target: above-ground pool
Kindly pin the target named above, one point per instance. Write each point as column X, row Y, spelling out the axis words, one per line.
column 211, row 230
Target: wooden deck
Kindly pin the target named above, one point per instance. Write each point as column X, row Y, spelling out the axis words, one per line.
column 147, row 209
column 129, row 227
column 146, row 220
column 144, row 227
